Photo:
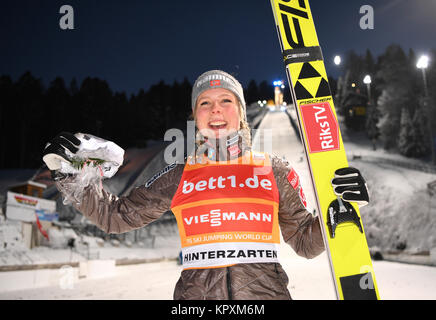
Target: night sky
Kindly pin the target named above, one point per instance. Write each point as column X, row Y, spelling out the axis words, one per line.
column 133, row 44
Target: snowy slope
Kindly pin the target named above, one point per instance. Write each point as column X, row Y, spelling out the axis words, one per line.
column 401, row 214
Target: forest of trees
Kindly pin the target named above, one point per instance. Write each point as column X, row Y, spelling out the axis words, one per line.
column 398, row 116
column 31, row 115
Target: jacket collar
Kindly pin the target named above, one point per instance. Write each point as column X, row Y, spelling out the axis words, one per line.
column 222, row 149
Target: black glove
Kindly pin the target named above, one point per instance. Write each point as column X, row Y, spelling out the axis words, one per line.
column 350, row 186
column 54, row 151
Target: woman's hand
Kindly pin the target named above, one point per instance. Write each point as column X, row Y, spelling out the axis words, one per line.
column 54, row 151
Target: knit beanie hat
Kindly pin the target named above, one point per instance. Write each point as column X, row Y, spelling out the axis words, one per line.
column 218, row 79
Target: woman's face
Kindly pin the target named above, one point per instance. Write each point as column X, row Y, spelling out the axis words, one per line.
column 217, row 113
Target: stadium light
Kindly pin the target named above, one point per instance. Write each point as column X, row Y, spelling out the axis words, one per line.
column 423, row 62
column 367, row 79
column 423, row 65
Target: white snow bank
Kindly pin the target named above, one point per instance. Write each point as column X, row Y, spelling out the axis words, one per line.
column 401, row 214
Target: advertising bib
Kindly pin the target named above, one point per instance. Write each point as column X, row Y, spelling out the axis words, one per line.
column 227, row 212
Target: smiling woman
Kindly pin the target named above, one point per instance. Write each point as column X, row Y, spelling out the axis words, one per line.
column 219, row 110
column 215, row 92
column 230, row 202
column 217, row 113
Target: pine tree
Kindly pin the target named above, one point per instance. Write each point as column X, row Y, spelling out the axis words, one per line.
column 265, row 91
column 251, row 92
column 369, row 63
column 405, row 138
column 419, row 134
column 7, row 121
column 397, row 93
column 411, row 139
column 371, row 125
column 389, row 122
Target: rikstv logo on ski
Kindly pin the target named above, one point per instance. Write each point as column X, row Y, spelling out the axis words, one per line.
column 320, row 127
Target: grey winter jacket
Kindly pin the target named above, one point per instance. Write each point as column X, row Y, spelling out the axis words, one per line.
column 251, row 281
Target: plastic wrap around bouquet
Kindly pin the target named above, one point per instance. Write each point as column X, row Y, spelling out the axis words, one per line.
column 96, row 152
column 96, row 159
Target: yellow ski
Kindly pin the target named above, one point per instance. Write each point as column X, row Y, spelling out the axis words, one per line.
column 343, row 231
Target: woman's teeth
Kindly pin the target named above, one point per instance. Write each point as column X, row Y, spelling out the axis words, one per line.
column 217, row 124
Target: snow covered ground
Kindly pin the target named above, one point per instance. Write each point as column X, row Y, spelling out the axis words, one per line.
column 309, row 280
column 166, row 245
column 400, row 213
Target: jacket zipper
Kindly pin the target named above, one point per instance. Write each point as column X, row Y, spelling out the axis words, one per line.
column 229, row 283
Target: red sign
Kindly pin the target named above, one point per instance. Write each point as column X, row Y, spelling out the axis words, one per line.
column 293, row 179
column 303, row 198
column 234, row 150
column 227, row 217
column 23, row 200
column 320, row 126
column 226, row 181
